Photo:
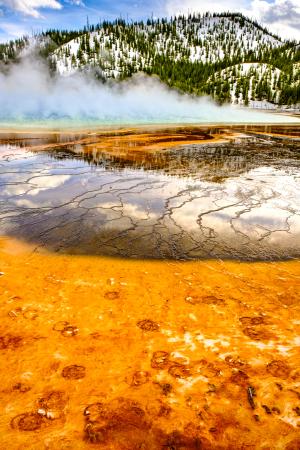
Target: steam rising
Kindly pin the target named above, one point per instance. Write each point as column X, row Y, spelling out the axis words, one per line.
column 27, row 92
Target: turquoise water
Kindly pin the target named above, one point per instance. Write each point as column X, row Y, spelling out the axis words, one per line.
column 223, row 116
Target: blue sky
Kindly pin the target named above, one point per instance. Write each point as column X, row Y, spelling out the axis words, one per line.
column 19, row 17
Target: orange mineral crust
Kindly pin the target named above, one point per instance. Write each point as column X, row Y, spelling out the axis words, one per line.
column 130, row 354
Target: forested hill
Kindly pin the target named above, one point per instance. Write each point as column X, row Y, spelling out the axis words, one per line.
column 225, row 55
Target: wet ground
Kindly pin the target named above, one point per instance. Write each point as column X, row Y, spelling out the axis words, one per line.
column 179, row 193
column 123, row 353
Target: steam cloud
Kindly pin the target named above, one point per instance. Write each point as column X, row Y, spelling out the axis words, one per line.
column 27, row 92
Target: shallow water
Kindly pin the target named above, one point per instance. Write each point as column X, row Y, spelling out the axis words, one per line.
column 123, row 354
column 185, row 193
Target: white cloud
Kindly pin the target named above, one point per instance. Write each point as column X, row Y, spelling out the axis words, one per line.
column 280, row 16
column 30, row 7
column 43, row 183
column 75, row 2
column 11, row 31
column 202, row 6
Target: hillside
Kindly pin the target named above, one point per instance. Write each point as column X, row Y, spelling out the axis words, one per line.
column 224, row 55
column 248, row 83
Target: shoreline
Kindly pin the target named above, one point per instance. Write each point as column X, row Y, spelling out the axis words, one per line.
column 85, row 128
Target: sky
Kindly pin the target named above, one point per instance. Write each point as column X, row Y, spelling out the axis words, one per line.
column 25, row 17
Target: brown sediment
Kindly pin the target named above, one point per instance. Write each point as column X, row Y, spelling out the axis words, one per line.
column 153, row 142
column 148, row 368
column 290, row 131
column 290, row 135
column 130, row 141
column 120, row 140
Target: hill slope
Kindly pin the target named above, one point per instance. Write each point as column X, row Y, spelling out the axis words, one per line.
column 225, row 55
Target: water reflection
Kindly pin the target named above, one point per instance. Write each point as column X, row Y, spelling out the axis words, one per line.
column 115, row 197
